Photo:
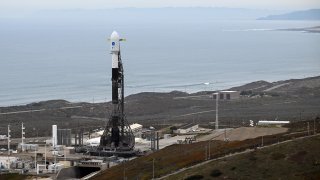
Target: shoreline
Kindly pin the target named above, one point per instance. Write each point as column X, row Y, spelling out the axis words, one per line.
column 315, row 29
column 105, row 100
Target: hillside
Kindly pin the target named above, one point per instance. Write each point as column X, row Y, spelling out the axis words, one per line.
column 292, row 86
column 298, row 159
column 180, row 156
column 293, row 100
column 312, row 14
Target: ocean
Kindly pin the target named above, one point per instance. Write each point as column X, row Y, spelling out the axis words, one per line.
column 43, row 60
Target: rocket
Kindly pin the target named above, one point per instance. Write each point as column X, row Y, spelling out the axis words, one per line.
column 117, row 134
column 117, row 116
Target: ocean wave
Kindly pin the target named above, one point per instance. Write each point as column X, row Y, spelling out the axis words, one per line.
column 245, row 30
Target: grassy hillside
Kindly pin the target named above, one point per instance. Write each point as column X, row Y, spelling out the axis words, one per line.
column 299, row 159
column 176, row 157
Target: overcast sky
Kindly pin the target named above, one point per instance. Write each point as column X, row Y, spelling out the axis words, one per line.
column 30, row 5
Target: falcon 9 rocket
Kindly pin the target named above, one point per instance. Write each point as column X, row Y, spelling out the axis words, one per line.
column 117, row 134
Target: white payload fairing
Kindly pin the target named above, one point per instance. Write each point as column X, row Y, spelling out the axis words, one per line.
column 115, row 49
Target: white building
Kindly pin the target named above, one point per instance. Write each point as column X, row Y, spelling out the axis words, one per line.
column 227, row 95
column 187, row 128
column 266, row 123
column 28, row 147
column 93, row 141
column 3, row 137
column 136, row 130
column 6, row 161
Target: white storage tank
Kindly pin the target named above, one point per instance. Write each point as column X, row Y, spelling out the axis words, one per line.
column 54, row 135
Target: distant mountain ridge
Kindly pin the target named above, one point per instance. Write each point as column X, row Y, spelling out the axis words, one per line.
column 311, row 14
column 292, row 86
column 156, row 14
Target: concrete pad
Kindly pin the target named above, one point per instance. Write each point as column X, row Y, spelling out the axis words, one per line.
column 242, row 133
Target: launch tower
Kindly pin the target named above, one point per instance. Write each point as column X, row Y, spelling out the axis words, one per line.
column 117, row 135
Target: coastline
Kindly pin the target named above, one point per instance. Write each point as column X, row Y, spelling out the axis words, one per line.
column 315, row 29
column 293, row 100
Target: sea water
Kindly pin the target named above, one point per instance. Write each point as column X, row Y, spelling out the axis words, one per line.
column 43, row 60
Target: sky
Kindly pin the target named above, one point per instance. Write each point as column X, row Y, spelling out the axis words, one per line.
column 32, row 5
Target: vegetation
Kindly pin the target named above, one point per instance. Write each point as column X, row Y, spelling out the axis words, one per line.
column 15, row 176
column 215, row 173
column 298, row 159
column 180, row 156
column 277, row 156
column 194, row 177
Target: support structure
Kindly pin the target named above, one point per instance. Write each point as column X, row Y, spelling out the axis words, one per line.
column 9, row 140
column 22, row 137
column 117, row 135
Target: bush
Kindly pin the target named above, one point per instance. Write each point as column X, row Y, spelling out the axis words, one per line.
column 194, row 177
column 277, row 156
column 243, row 93
column 252, row 157
column 215, row 173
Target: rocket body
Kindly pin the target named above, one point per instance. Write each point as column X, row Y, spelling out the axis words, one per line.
column 115, row 51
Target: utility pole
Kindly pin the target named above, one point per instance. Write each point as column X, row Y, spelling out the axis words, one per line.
column 124, row 171
column 45, row 156
column 261, row 141
column 217, row 109
column 9, row 140
column 209, row 149
column 55, row 162
column 314, row 126
column 205, row 153
column 65, row 154
column 308, row 129
column 35, row 160
column 153, row 168
column 300, row 115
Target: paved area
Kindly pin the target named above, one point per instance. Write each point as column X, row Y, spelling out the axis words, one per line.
column 242, row 133
column 144, row 145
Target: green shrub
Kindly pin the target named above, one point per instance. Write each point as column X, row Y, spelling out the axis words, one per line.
column 252, row 157
column 215, row 173
column 277, row 156
column 194, row 177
